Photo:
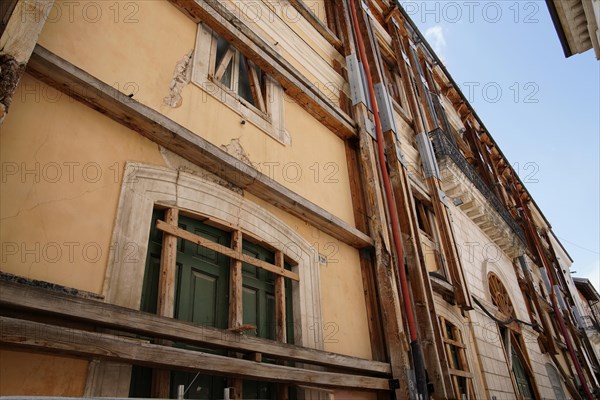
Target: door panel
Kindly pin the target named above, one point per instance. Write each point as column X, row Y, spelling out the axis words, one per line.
column 202, row 297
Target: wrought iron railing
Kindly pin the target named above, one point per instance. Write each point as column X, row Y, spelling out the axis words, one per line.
column 589, row 323
column 444, row 148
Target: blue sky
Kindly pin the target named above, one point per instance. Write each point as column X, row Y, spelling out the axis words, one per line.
column 540, row 107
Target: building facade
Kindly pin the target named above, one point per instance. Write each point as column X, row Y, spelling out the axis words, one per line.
column 576, row 23
column 264, row 200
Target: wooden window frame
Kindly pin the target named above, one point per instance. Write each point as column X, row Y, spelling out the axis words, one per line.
column 393, row 76
column 233, row 57
column 268, row 114
column 161, row 378
column 512, row 337
column 431, row 236
column 459, row 368
column 148, row 187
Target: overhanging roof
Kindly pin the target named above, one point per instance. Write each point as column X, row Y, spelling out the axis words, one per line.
column 586, row 288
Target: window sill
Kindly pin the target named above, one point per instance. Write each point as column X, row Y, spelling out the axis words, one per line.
column 440, row 285
column 244, row 109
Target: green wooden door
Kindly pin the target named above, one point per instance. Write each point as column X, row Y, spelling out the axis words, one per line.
column 202, row 295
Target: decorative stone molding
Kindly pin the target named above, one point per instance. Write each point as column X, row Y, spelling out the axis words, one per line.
column 475, row 205
column 144, row 187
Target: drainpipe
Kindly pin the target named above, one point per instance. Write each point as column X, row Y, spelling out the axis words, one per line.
column 417, row 353
column 555, row 306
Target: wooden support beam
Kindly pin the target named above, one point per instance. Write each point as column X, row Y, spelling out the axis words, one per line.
column 16, row 45
column 366, row 260
column 388, row 298
column 161, row 378
column 455, row 269
column 249, row 43
column 422, row 297
column 433, row 347
column 316, row 22
column 236, row 320
column 361, row 214
column 226, row 251
column 101, row 314
column 280, row 317
column 168, row 267
column 56, row 339
column 80, row 85
column 255, row 86
column 235, row 283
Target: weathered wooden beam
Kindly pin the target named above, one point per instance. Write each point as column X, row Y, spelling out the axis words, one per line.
column 226, row 251
column 296, row 85
column 150, row 123
column 57, row 339
column 316, row 22
column 421, row 295
column 23, row 297
column 383, row 273
column 280, row 317
column 16, row 45
column 168, row 266
column 235, row 283
column 165, row 307
column 236, row 311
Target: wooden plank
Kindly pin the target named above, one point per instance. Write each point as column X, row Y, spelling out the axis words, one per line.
column 280, row 317
column 366, row 259
column 16, row 45
column 168, row 265
column 44, row 337
column 235, row 283
column 236, row 316
column 255, row 85
column 225, row 61
column 219, row 248
column 455, row 270
column 429, row 328
column 249, row 43
column 455, row 343
column 161, row 378
column 422, row 301
column 457, row 372
column 316, row 22
column 150, row 123
column 383, row 270
column 23, row 297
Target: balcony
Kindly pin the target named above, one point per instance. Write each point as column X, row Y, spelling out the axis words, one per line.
column 469, row 192
column 589, row 324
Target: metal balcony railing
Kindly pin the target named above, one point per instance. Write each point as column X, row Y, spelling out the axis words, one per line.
column 589, row 323
column 444, row 147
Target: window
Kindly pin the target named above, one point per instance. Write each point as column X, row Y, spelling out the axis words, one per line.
column 203, row 295
column 555, row 380
column 238, row 74
column 394, row 82
column 224, row 73
column 462, row 379
column 149, row 187
column 430, row 239
column 512, row 341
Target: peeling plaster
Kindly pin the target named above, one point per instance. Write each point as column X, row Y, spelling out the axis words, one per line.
column 182, row 75
column 236, row 149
